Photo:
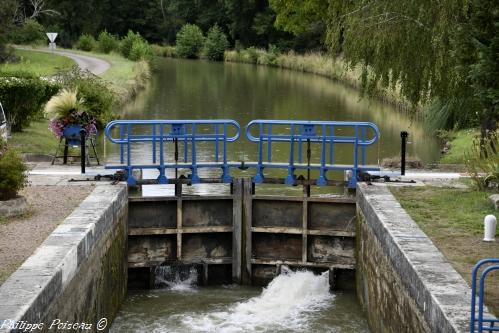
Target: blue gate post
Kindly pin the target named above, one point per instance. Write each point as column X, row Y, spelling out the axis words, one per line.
column 259, row 168
column 226, row 178
column 290, row 179
column 477, row 325
column 322, row 180
column 162, row 176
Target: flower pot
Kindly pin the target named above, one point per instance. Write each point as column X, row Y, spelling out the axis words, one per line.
column 72, row 134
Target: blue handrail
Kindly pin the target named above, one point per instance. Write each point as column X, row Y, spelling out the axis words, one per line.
column 323, row 132
column 482, row 324
column 183, row 131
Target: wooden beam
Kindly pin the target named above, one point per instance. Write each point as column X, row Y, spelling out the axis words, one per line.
column 237, row 234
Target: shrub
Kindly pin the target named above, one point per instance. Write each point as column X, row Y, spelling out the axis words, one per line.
column 164, row 51
column 13, row 176
column 482, row 162
column 65, row 109
column 190, row 41
column 216, row 44
column 23, row 97
column 141, row 50
column 128, row 41
column 99, row 99
column 31, row 32
column 107, row 42
column 252, row 54
column 86, row 43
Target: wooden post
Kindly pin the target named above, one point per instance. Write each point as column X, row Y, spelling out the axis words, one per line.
column 304, row 230
column 247, row 223
column 237, row 229
column 179, row 228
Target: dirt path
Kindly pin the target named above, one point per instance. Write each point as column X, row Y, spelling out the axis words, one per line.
column 49, row 206
column 94, row 65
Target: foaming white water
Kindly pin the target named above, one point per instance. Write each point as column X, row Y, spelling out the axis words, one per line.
column 288, row 303
column 172, row 278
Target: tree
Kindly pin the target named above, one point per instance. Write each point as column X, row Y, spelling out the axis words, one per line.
column 8, row 11
column 190, row 41
column 483, row 69
column 216, row 44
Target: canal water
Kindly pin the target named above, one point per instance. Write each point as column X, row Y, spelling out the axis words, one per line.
column 293, row 302
column 194, row 89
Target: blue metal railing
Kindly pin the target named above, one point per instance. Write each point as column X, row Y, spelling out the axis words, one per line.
column 482, row 324
column 186, row 132
column 326, row 133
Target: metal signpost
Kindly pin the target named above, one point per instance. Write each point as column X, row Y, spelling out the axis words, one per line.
column 52, row 36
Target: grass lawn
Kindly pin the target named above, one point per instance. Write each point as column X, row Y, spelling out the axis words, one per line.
column 36, row 139
column 38, row 63
column 461, row 143
column 121, row 72
column 453, row 219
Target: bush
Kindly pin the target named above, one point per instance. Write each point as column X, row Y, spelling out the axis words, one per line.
column 30, row 32
column 128, row 41
column 482, row 162
column 13, row 176
column 141, row 50
column 164, row 51
column 99, row 99
column 107, row 42
column 190, row 41
column 216, row 44
column 86, row 43
column 23, row 97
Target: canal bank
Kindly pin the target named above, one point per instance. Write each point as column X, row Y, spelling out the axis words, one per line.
column 400, row 287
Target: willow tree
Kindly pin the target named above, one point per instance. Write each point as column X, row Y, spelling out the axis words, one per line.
column 439, row 53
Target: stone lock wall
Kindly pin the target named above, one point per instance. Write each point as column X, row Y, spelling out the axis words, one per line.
column 403, row 281
column 79, row 273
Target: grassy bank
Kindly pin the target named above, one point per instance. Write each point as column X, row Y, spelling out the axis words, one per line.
column 455, row 227
column 315, row 63
column 125, row 78
column 36, row 139
column 38, row 63
column 458, row 143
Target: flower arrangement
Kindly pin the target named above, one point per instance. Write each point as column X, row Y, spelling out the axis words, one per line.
column 66, row 109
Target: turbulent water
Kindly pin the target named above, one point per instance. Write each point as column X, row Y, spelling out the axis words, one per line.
column 293, row 302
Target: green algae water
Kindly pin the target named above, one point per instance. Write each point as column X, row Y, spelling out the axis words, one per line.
column 195, row 89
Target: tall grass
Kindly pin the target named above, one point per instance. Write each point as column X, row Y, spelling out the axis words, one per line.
column 315, row 63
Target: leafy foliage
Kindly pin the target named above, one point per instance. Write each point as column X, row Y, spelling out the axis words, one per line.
column 12, row 172
column 107, row 42
column 141, row 50
column 190, row 41
column 216, row 43
column 31, row 32
column 23, row 96
column 128, row 41
column 98, row 97
column 86, row 43
column 482, row 162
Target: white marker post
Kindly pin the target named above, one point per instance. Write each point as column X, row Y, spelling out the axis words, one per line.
column 490, row 223
column 52, row 36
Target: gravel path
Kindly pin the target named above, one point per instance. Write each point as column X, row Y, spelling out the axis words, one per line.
column 94, row 65
column 49, row 206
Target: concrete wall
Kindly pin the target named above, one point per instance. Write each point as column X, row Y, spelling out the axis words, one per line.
column 403, row 282
column 78, row 274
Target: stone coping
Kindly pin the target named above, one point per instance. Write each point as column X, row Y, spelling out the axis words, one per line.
column 438, row 289
column 30, row 290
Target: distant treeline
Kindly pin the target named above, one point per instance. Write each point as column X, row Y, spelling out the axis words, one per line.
column 245, row 22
